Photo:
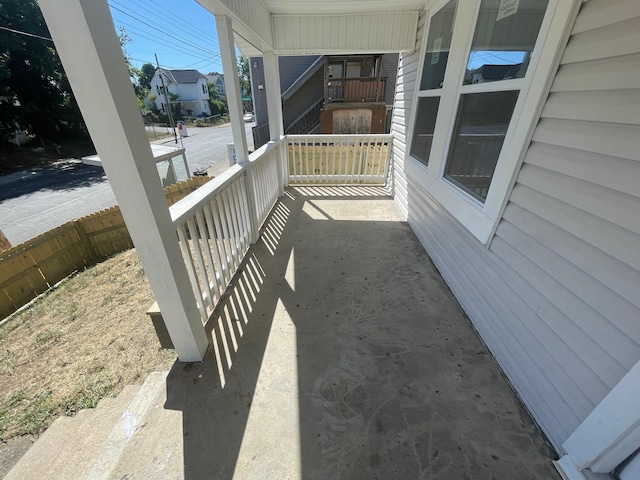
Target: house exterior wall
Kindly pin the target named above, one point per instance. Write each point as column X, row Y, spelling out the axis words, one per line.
column 292, row 67
column 555, row 293
column 185, row 91
column 389, row 69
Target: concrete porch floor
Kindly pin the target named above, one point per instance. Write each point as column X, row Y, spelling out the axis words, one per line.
column 340, row 353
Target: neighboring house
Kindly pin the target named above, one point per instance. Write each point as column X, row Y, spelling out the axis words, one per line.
column 524, row 191
column 357, row 91
column 218, row 80
column 188, row 88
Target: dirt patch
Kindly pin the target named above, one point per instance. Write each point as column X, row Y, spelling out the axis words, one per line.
column 85, row 340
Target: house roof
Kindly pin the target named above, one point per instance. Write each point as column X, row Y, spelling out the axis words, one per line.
column 186, row 76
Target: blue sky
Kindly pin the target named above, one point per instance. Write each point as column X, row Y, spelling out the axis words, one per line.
column 181, row 32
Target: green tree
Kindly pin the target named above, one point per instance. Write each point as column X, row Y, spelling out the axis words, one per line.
column 245, row 82
column 34, row 89
column 146, row 73
column 217, row 102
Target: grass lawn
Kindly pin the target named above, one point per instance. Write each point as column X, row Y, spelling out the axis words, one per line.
column 84, row 340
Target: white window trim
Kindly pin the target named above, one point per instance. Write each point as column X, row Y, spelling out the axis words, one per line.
column 482, row 219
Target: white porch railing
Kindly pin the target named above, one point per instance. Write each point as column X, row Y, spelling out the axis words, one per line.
column 217, row 223
column 338, row 159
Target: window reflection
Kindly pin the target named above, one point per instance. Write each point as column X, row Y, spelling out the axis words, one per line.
column 504, row 38
column 481, row 125
column 424, row 127
column 438, row 45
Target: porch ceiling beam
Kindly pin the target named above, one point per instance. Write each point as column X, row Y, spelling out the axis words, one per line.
column 251, row 19
column 85, row 38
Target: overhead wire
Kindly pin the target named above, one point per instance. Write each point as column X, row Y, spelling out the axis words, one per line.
column 155, row 38
column 185, row 42
column 25, row 33
column 176, row 21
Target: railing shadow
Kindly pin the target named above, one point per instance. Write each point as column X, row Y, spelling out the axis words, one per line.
column 216, row 395
column 339, row 352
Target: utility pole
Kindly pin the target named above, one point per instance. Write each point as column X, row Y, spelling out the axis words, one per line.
column 166, row 101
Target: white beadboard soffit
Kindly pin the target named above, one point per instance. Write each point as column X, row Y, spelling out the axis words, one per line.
column 305, row 27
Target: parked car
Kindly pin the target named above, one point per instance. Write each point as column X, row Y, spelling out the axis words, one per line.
column 249, row 117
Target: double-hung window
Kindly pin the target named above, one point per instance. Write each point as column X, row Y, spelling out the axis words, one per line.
column 483, row 72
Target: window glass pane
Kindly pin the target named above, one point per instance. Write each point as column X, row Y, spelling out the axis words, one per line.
column 423, row 129
column 483, row 119
column 505, row 35
column 438, row 44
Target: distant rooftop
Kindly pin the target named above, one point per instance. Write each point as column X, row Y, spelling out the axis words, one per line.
column 186, row 76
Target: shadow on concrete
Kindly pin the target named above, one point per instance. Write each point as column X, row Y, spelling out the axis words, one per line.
column 339, row 352
column 60, row 176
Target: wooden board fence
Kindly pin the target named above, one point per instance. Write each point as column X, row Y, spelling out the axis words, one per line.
column 34, row 266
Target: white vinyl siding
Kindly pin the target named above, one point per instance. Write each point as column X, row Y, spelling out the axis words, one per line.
column 555, row 294
column 408, row 64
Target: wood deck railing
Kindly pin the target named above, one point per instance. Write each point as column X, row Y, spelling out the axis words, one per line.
column 217, row 223
column 363, row 89
column 338, row 159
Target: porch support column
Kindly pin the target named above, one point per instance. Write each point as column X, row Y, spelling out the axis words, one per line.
column 86, row 41
column 232, row 86
column 274, row 107
column 234, row 102
column 274, row 95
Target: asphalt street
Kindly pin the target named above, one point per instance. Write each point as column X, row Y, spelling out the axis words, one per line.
column 35, row 201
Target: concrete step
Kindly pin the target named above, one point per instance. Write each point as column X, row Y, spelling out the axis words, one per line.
column 157, row 450
column 130, row 422
column 68, row 446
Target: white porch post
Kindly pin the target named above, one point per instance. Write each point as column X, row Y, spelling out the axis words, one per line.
column 86, row 41
column 234, row 102
column 611, row 432
column 274, row 107
column 232, row 85
column 274, row 95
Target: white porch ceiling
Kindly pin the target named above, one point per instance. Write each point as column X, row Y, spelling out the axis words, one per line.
column 339, row 7
column 320, row 27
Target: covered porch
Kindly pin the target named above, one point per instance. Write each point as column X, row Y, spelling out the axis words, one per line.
column 329, row 344
column 337, row 352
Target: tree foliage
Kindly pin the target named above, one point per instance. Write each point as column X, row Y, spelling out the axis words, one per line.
column 217, row 102
column 145, row 75
column 245, row 82
column 34, row 91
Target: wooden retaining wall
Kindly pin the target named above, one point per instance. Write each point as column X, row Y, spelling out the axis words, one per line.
column 32, row 267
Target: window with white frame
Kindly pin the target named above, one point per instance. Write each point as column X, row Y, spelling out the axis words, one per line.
column 472, row 103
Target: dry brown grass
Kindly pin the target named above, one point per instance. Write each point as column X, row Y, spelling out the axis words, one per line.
column 84, row 340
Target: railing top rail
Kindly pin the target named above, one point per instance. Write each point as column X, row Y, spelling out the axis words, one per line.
column 263, row 150
column 361, row 79
column 189, row 205
column 384, row 136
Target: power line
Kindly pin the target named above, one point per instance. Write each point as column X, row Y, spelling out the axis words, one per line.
column 25, row 33
column 161, row 41
column 208, row 52
column 176, row 20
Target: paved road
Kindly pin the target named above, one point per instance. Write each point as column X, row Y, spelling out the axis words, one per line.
column 37, row 200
